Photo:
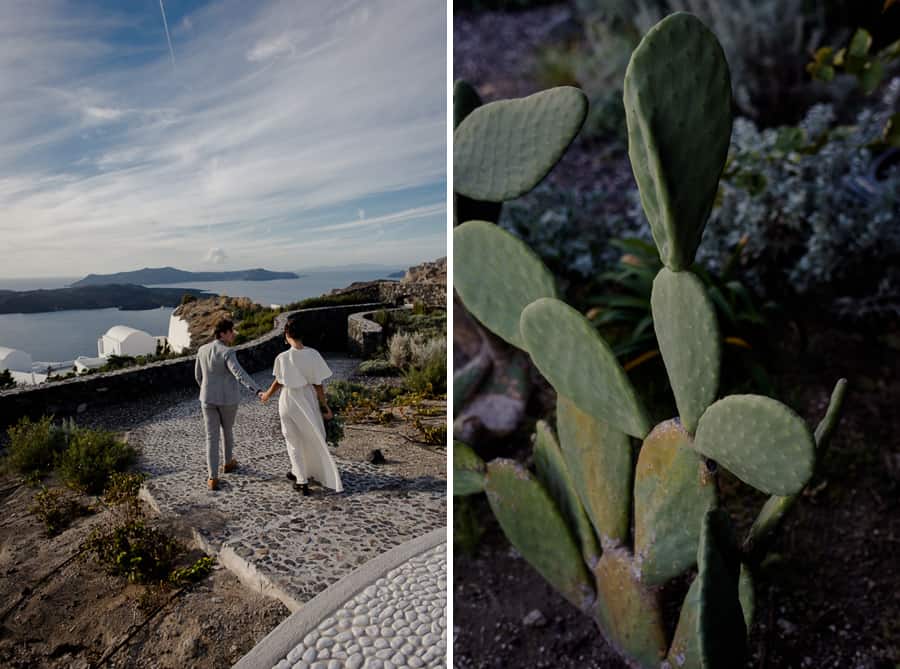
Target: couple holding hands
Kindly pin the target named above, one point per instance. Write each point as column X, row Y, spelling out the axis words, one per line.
column 299, row 373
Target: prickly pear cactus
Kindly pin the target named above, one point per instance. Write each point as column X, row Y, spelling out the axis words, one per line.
column 573, row 519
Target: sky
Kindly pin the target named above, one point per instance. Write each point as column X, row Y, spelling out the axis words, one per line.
column 230, row 135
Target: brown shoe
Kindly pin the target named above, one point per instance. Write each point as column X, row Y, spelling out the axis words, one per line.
column 213, row 484
column 230, row 466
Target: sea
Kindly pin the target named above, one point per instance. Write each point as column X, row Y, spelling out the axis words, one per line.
column 64, row 335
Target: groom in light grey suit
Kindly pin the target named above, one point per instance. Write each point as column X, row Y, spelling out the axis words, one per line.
column 220, row 377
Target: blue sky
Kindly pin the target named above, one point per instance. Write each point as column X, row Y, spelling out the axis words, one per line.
column 276, row 134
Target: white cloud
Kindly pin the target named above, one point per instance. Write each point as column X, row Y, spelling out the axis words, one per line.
column 215, row 255
column 270, row 47
column 344, row 103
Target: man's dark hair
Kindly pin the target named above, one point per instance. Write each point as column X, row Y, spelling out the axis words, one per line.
column 292, row 329
column 222, row 327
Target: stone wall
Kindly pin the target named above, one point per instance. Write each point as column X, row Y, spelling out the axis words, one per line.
column 325, row 329
column 398, row 293
column 364, row 335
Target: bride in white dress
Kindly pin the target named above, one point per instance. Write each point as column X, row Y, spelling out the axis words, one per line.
column 300, row 371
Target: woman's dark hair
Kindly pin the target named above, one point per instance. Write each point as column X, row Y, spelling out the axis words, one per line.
column 292, row 330
column 222, row 327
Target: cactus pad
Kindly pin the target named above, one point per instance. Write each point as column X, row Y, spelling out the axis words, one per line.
column 497, row 276
column 600, row 462
column 504, row 149
column 534, row 525
column 672, row 493
column 720, row 620
column 468, row 470
column 554, row 474
column 580, row 365
column 685, row 322
column 628, row 612
column 684, row 653
column 677, row 99
column 760, row 440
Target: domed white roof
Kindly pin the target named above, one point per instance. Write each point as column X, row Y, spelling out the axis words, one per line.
column 123, row 332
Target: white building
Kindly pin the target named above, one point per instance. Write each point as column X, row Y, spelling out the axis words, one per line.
column 125, row 341
column 179, row 336
column 15, row 360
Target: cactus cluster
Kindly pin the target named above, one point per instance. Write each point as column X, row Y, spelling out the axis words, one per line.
column 607, row 532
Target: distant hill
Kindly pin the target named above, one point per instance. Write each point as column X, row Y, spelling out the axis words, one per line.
column 151, row 276
column 127, row 297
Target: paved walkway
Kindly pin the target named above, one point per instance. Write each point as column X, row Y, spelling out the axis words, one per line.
column 389, row 613
column 275, row 540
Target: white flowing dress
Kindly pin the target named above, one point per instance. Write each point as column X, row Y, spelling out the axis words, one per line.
column 298, row 370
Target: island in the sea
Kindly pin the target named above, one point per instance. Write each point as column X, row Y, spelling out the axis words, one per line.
column 128, row 297
column 157, row 276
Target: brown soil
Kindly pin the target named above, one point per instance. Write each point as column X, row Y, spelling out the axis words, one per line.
column 64, row 612
column 830, row 594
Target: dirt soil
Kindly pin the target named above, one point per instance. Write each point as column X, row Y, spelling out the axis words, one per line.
column 829, row 595
column 63, row 611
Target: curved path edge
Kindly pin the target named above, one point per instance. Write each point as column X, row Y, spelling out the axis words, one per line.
column 306, row 617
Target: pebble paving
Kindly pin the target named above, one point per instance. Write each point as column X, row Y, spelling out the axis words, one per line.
column 299, row 545
column 398, row 621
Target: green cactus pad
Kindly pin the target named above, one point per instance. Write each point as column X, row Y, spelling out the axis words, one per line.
column 628, row 612
column 747, row 595
column 503, row 149
column 496, row 276
column 534, row 525
column 677, row 98
column 580, row 365
column 673, row 490
column 777, row 506
column 720, row 620
column 465, row 101
column 600, row 462
column 684, row 653
column 685, row 322
column 759, row 440
column 554, row 474
column 468, row 470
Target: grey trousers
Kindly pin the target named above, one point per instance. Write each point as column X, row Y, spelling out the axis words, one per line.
column 216, row 417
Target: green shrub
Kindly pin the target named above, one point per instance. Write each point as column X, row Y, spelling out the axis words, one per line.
column 376, row 368
column 254, row 324
column 427, row 371
column 196, row 572
column 352, row 297
column 7, row 381
column 140, row 553
column 56, row 508
column 91, row 458
column 34, row 446
column 122, row 488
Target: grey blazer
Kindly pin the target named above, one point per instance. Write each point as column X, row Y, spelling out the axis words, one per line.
column 220, row 375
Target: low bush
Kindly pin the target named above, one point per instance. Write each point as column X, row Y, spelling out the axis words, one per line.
column 376, row 368
column 91, row 458
column 56, row 508
column 134, row 550
column 351, row 297
column 7, row 381
column 122, row 488
column 34, row 446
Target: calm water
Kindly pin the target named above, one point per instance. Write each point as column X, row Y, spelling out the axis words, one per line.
column 64, row 335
